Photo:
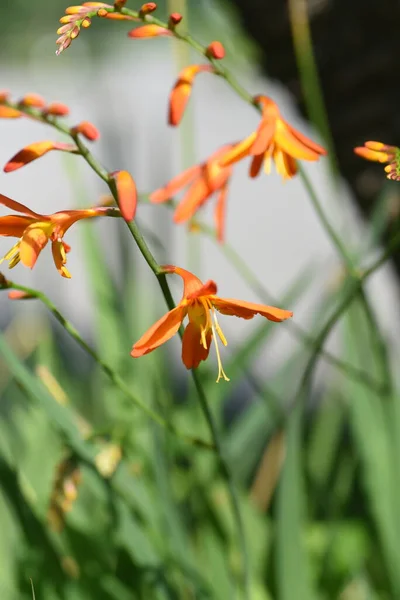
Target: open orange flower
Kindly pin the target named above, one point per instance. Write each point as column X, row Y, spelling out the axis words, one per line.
column 383, row 153
column 200, row 303
column 205, row 180
column 35, row 230
column 274, row 139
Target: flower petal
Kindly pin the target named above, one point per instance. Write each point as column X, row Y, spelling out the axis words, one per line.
column 33, row 241
column 193, row 351
column 247, row 310
column 14, row 225
column 192, row 285
column 265, row 134
column 181, row 91
column 166, row 192
column 256, row 165
column 286, row 166
column 127, row 194
column 219, row 213
column 34, row 151
column 195, row 197
column 306, row 140
column 60, row 259
column 17, row 206
column 238, row 151
column 292, row 145
column 160, row 332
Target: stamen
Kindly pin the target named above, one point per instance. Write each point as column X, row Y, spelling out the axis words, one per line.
column 218, row 329
column 12, row 255
column 203, row 338
column 221, row 372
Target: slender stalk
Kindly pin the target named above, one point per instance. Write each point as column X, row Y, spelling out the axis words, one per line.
column 229, row 480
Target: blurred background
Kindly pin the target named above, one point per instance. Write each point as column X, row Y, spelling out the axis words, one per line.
column 96, row 501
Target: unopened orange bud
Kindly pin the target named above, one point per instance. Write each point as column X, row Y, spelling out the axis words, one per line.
column 181, row 92
column 74, row 33
column 127, row 194
column 147, row 8
column 34, row 151
column 18, row 295
column 87, row 129
column 9, row 113
column 147, row 31
column 33, row 100
column 86, row 23
column 56, row 109
column 102, row 12
column 118, row 4
column 174, row 19
column 4, row 95
column 215, row 50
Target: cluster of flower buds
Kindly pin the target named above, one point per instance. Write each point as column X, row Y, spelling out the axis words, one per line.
column 75, row 18
column 383, row 153
column 11, row 110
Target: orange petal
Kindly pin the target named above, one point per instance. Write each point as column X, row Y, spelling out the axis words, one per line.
column 166, row 192
column 127, row 194
column 286, row 166
column 34, row 151
column 33, row 241
column 256, row 165
column 292, row 145
column 306, row 140
column 195, row 197
column 219, row 213
column 60, row 259
column 209, row 288
column 160, row 332
column 238, row 151
column 264, row 136
column 147, row 31
column 9, row 113
column 193, row 351
column 191, row 284
column 19, row 207
column 247, row 310
column 14, row 225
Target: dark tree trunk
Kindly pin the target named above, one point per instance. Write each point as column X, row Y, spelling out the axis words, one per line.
column 357, row 50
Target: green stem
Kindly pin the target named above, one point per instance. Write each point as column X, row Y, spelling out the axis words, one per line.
column 226, row 472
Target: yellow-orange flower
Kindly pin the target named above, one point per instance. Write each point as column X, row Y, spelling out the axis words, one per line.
column 182, row 90
column 35, row 230
column 204, row 180
column 383, row 153
column 274, row 139
column 200, row 303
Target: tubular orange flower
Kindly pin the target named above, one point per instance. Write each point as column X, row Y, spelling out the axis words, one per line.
column 181, row 91
column 34, row 151
column 205, row 180
column 35, row 230
column 274, row 139
column 200, row 303
column 383, row 153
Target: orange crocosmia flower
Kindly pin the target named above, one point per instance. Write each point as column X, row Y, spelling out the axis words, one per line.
column 181, row 91
column 200, row 304
column 204, row 180
column 274, row 139
column 35, row 230
column 34, row 151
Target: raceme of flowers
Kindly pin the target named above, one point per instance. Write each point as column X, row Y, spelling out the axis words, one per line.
column 274, row 141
